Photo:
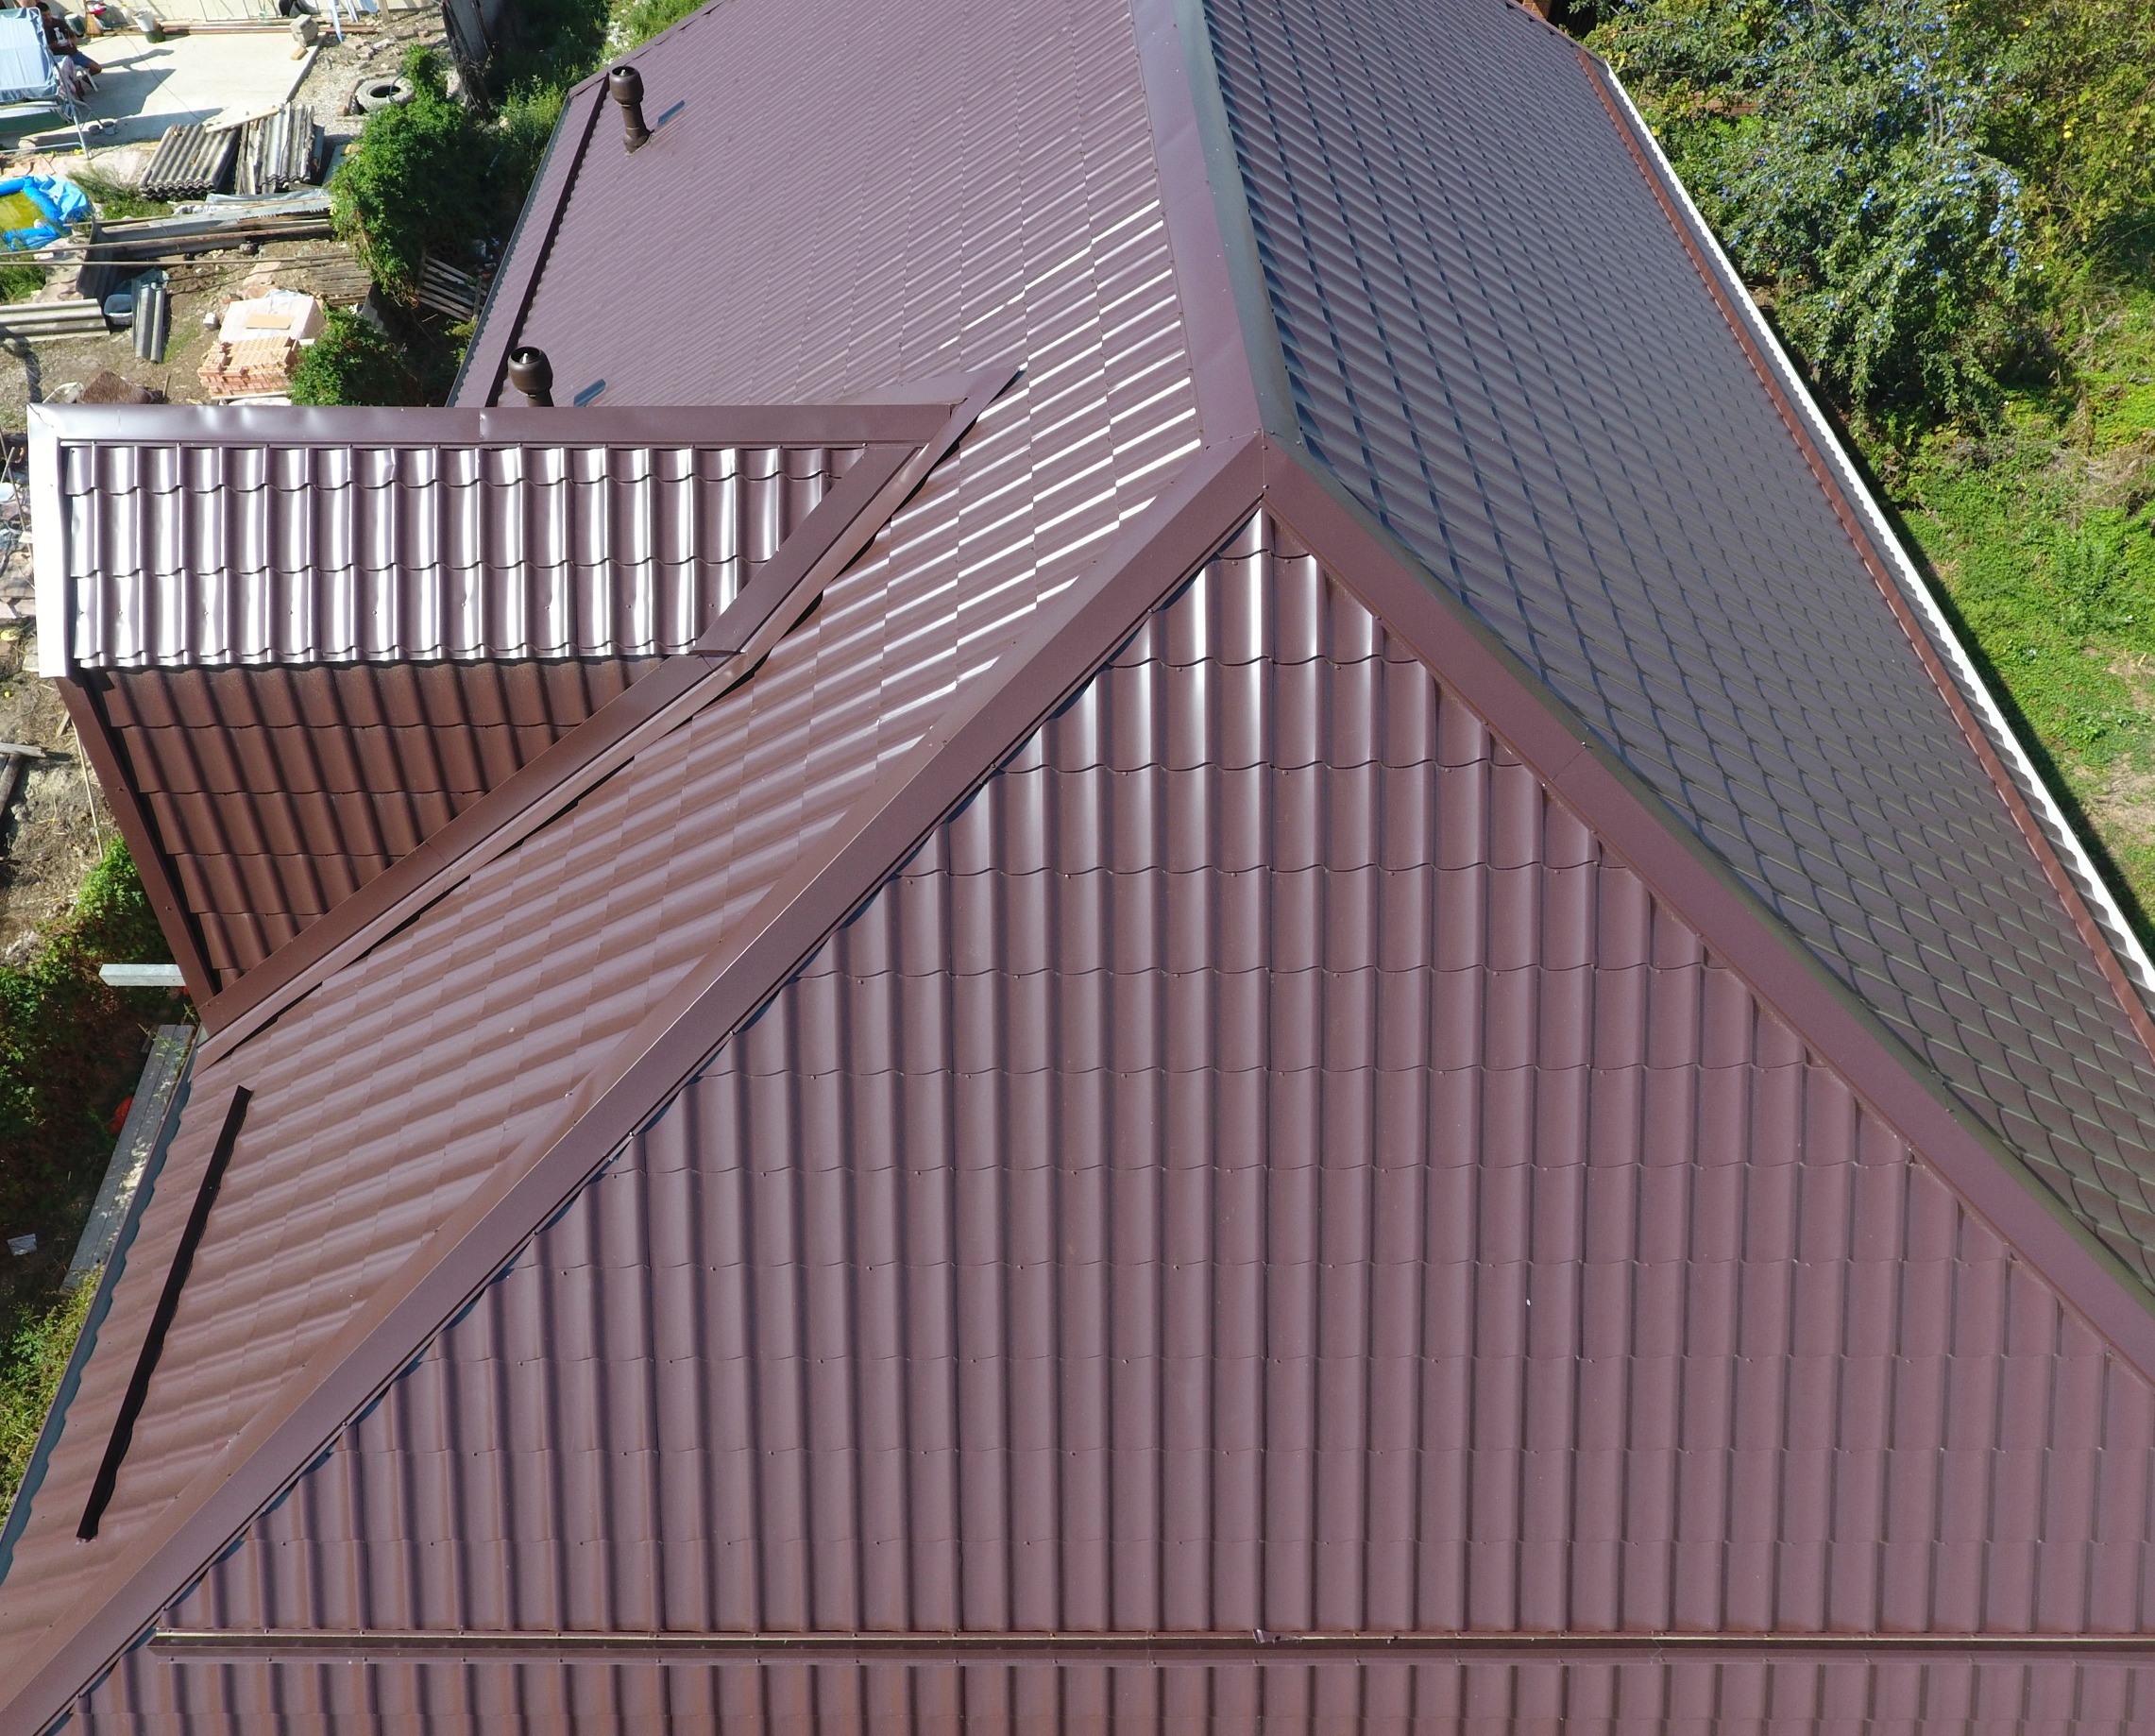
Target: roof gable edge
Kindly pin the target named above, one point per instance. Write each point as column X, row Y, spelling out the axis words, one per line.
column 1046, row 661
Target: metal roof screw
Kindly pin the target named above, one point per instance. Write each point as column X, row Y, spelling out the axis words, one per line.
column 532, row 374
column 624, row 84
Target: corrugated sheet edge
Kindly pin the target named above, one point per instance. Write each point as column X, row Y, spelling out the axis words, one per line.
column 2034, row 788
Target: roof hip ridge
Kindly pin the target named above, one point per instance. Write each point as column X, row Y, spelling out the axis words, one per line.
column 1688, row 873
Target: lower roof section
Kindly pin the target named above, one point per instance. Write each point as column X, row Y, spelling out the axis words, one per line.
column 1261, row 1166
column 274, row 793
column 1650, row 1691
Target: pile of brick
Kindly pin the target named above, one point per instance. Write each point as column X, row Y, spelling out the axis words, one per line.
column 253, row 367
column 258, row 344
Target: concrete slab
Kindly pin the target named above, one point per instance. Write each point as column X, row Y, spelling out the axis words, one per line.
column 147, row 87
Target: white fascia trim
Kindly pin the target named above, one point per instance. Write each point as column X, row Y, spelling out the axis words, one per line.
column 49, row 546
column 2034, row 789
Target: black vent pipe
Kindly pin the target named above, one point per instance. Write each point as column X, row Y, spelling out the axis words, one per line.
column 624, row 84
column 532, row 374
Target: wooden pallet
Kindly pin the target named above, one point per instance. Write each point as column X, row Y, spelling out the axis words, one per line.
column 446, row 290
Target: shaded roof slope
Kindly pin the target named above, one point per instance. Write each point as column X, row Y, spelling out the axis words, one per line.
column 1497, row 341
column 275, row 793
column 384, row 1096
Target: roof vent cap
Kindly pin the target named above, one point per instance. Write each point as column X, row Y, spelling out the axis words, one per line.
column 624, row 84
column 532, row 374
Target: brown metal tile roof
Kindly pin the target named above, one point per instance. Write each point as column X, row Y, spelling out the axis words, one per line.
column 278, row 792
column 1499, row 345
column 1261, row 1165
column 1292, row 1150
column 390, row 1090
column 195, row 536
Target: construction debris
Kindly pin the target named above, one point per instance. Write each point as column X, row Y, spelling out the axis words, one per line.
column 446, row 290
column 278, row 152
column 190, row 161
column 106, row 387
column 39, row 321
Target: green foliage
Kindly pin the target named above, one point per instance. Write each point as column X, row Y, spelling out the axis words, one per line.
column 1842, row 151
column 69, row 1048
column 641, row 20
column 353, row 362
column 31, row 1364
column 417, row 180
column 67, row 1043
column 19, row 282
column 555, row 43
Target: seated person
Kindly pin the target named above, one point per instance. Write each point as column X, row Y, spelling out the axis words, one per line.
column 75, row 68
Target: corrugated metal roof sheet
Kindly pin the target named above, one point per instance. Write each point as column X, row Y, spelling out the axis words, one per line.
column 1497, row 342
column 1262, row 1165
column 1659, row 1696
column 278, row 792
column 390, row 1090
column 204, row 537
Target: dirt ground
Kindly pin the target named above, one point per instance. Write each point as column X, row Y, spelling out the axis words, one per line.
column 54, row 828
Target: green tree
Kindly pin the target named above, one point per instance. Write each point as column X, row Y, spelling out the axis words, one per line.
column 1846, row 155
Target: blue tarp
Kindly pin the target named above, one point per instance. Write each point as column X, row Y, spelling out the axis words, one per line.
column 56, row 204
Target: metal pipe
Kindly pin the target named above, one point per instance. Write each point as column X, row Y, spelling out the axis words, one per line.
column 624, row 84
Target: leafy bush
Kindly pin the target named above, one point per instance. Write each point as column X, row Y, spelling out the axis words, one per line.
column 641, row 20
column 1844, row 153
column 415, row 181
column 66, row 1039
column 353, row 362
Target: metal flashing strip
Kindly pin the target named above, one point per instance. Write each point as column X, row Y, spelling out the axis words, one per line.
column 2030, row 786
column 160, row 1319
column 147, row 1114
column 100, row 1306
column 1140, row 1647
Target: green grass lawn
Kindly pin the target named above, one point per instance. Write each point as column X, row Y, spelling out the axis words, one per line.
column 2041, row 534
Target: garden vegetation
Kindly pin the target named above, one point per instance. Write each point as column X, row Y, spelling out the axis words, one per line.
column 71, row 1050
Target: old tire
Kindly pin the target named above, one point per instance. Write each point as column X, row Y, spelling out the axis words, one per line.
column 384, row 93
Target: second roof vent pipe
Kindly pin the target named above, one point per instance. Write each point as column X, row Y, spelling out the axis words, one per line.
column 532, row 374
column 624, row 84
